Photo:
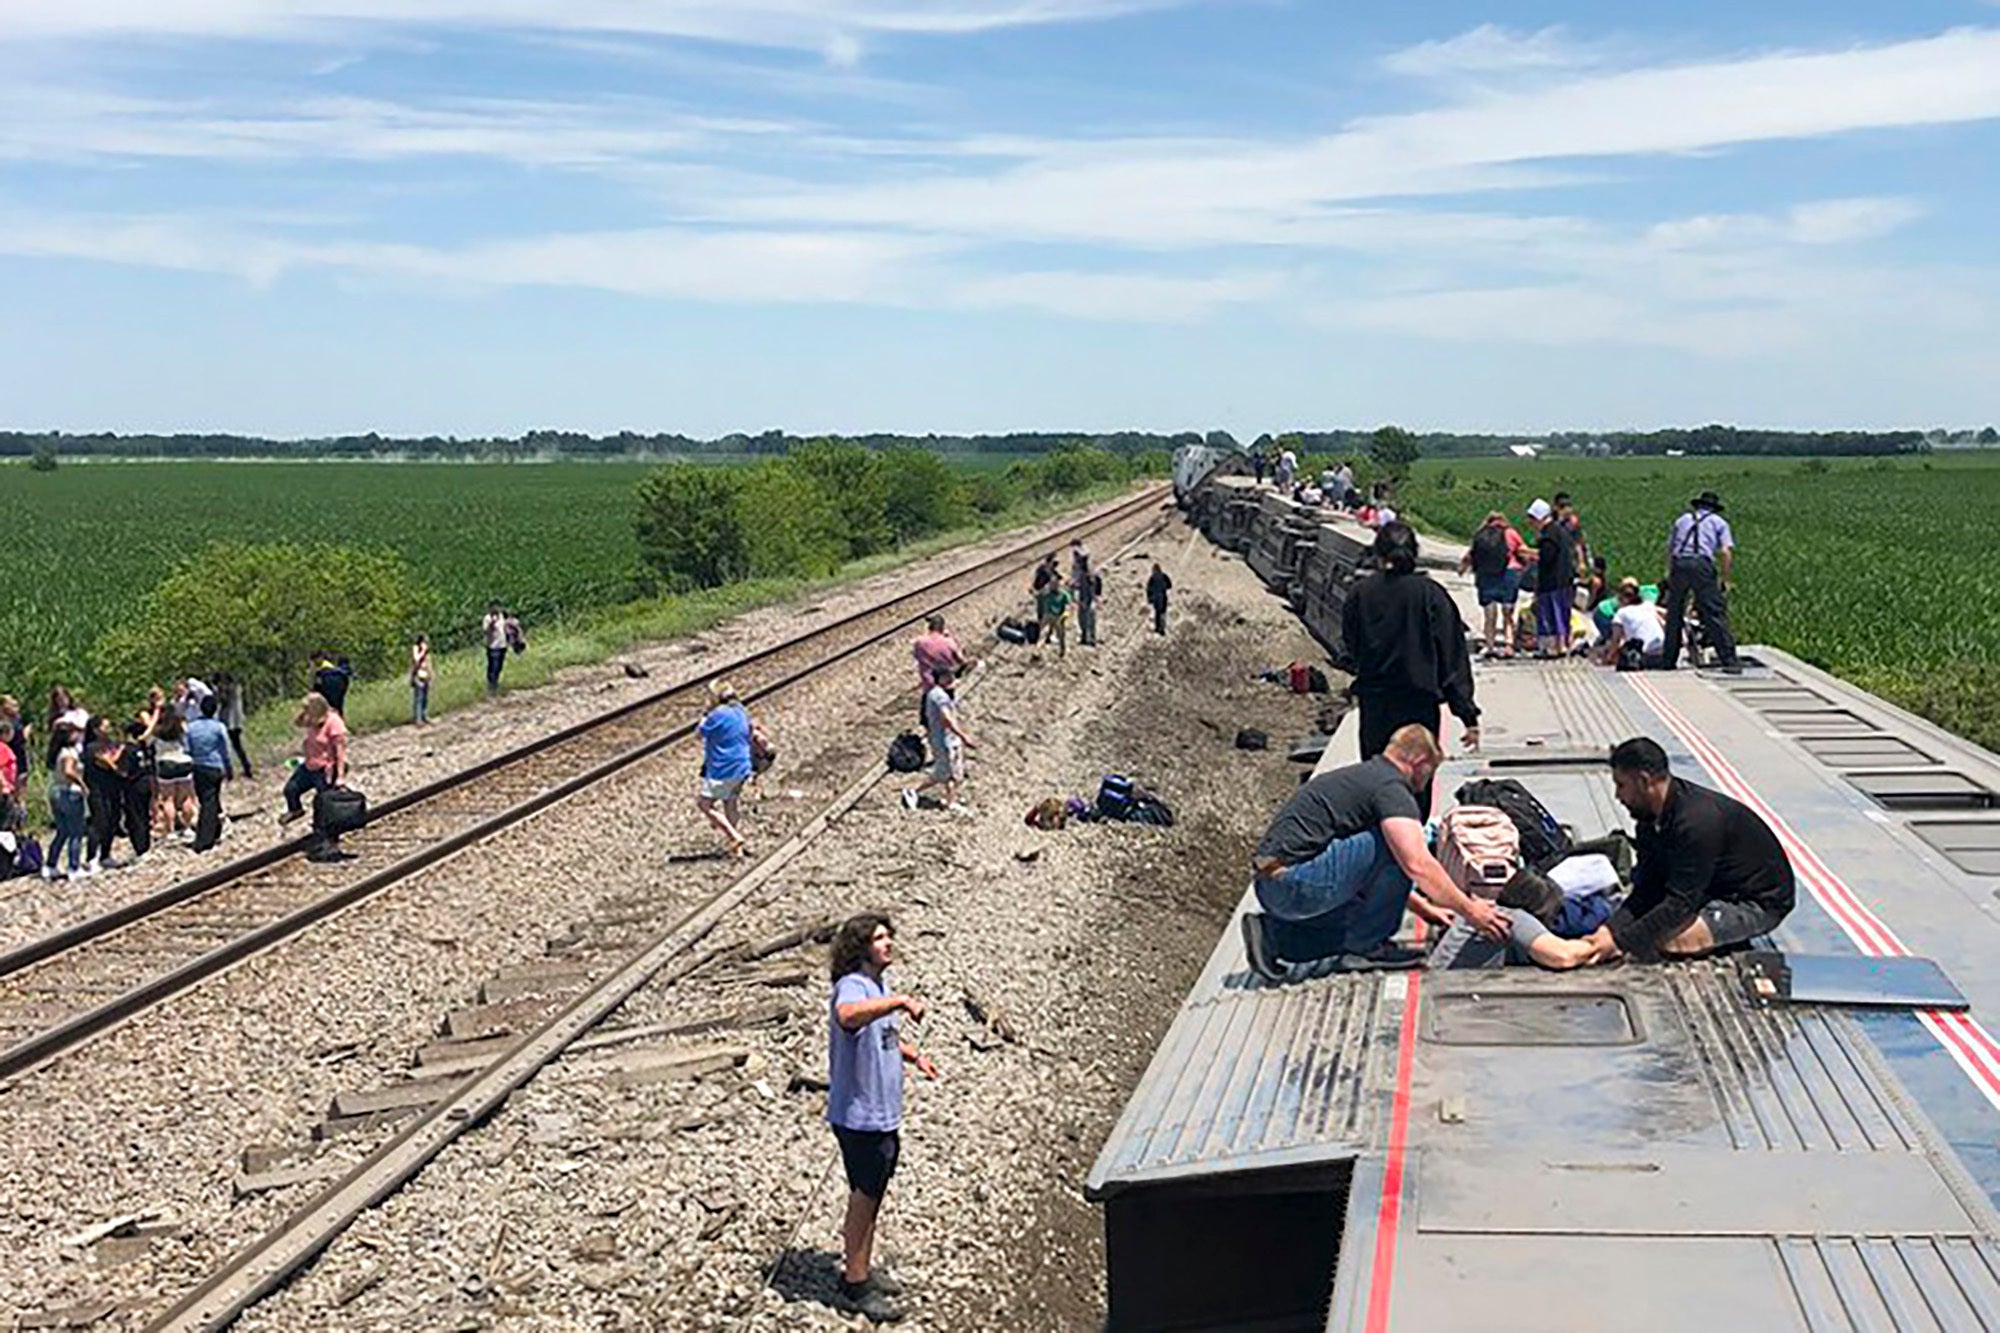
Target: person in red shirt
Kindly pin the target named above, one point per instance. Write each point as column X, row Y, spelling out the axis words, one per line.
column 935, row 648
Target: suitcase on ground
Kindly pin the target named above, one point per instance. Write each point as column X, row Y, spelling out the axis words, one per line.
column 1480, row 848
column 338, row 810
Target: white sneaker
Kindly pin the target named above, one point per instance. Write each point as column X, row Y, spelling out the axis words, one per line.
column 85, row 872
column 959, row 808
column 49, row 873
column 909, row 798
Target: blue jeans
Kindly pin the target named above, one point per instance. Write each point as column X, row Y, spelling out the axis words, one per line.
column 67, row 805
column 420, row 701
column 1348, row 899
column 301, row 781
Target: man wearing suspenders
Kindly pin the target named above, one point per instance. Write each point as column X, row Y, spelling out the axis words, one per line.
column 1700, row 553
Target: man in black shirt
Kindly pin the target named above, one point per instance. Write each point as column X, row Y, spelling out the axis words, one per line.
column 1405, row 643
column 1336, row 868
column 1555, row 580
column 1711, row 874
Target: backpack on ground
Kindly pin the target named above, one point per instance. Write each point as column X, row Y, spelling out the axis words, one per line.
column 907, row 753
column 1479, row 847
column 1316, row 681
column 1249, row 738
column 338, row 810
column 1299, row 677
column 1114, row 797
column 1118, row 797
column 1489, row 553
column 1543, row 841
column 1013, row 631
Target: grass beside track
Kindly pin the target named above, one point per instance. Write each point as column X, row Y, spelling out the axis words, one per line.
column 1883, row 571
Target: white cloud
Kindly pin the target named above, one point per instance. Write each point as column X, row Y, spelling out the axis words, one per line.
column 1168, row 193
column 755, row 267
column 1491, row 50
column 801, row 24
column 1820, row 222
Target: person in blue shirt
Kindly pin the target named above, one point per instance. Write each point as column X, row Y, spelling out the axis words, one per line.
column 864, row 1099
column 208, row 749
column 725, row 763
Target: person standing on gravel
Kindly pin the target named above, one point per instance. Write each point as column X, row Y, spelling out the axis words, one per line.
column 325, row 761
column 1083, row 582
column 1052, row 610
column 493, row 633
column 1157, row 587
column 725, row 763
column 208, row 748
column 948, row 741
column 420, row 680
column 935, row 649
column 864, row 1099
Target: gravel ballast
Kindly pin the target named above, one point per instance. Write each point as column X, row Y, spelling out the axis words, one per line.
column 609, row 1196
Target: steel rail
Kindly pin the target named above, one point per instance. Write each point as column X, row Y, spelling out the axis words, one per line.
column 78, row 1028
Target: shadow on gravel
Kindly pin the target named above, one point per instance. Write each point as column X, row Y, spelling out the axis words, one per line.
column 806, row 1275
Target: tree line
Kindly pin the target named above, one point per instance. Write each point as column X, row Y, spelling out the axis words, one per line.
column 47, row 446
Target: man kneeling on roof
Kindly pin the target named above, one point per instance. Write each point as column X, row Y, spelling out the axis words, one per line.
column 1337, row 866
column 1711, row 876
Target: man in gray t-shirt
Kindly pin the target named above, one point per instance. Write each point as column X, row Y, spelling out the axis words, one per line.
column 948, row 741
column 864, row 1099
column 1337, row 866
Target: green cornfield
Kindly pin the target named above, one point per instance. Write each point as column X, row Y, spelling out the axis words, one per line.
column 87, row 541
column 1884, row 571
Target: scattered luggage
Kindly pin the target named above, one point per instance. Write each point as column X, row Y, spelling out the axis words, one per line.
column 1118, row 797
column 908, row 753
column 338, row 810
column 1543, row 841
column 1249, row 738
column 1299, row 676
column 1017, row 631
column 1480, row 848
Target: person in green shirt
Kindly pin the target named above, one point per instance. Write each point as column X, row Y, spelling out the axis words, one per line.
column 1052, row 609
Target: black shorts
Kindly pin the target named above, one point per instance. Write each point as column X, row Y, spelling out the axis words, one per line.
column 870, row 1158
column 1738, row 923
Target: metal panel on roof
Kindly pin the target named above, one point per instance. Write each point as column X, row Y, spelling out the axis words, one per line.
column 1255, row 1078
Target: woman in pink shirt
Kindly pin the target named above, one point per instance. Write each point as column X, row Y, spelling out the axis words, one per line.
column 933, row 649
column 325, row 752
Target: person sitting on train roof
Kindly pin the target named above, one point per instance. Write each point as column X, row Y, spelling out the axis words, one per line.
column 1638, row 632
column 1337, row 866
column 1711, row 873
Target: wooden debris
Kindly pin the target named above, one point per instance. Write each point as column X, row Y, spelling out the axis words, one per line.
column 248, row 1183
column 750, row 1016
column 416, row 1092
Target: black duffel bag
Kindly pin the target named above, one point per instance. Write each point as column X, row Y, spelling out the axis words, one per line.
column 338, row 810
column 907, row 753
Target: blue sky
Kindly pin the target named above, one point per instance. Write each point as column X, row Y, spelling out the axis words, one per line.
column 484, row 216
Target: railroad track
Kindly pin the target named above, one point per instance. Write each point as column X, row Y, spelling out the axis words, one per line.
column 269, row 1261
column 69, row 987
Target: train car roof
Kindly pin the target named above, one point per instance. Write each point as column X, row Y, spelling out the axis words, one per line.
column 1640, row 1147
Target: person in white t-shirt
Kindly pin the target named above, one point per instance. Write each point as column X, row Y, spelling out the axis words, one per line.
column 1638, row 629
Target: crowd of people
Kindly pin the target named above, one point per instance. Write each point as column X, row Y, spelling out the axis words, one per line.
column 156, row 774
column 1573, row 607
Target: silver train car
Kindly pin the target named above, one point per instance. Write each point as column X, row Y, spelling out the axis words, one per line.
column 1804, row 1136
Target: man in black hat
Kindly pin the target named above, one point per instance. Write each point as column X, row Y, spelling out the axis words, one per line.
column 1701, row 551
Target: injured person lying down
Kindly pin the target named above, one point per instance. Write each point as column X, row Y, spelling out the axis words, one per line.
column 1711, row 875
